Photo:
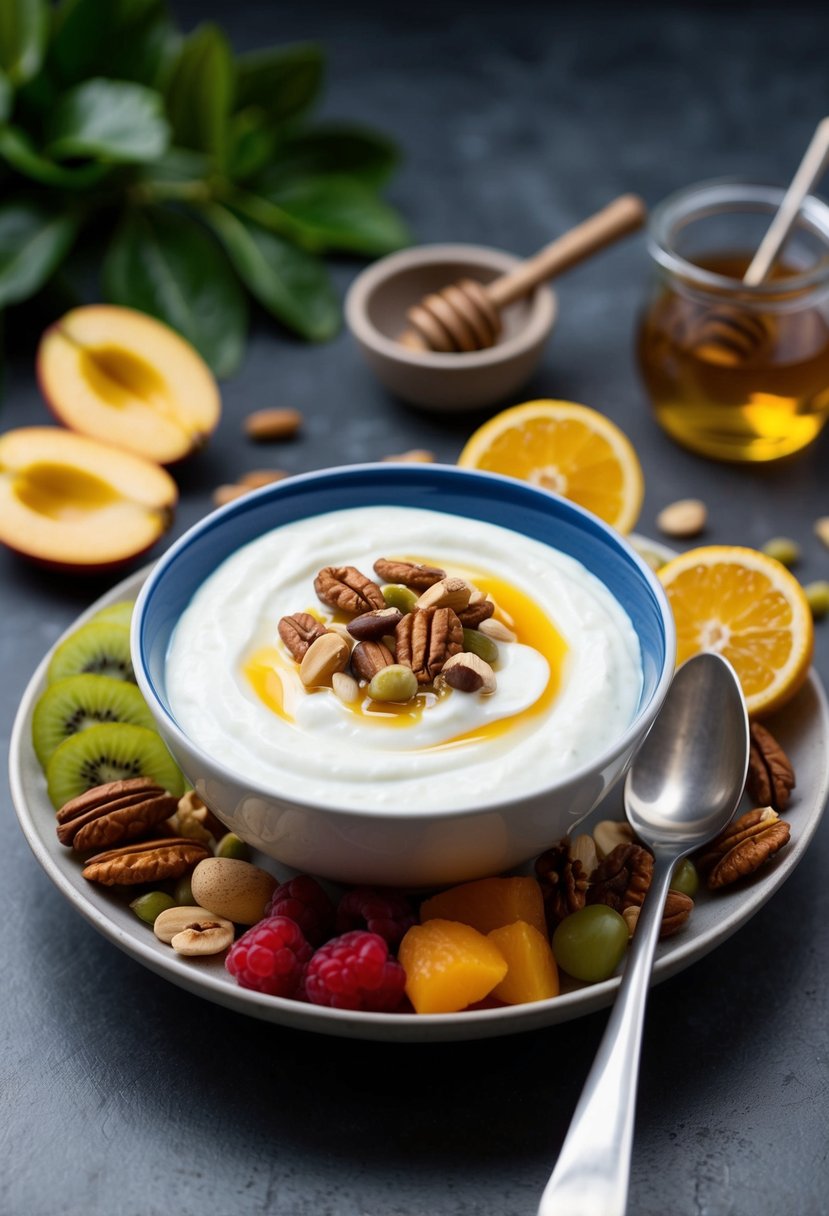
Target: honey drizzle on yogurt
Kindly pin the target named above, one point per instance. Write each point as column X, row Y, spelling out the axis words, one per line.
column 273, row 676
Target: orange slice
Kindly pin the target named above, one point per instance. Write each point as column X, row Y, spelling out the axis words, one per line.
column 570, row 449
column 750, row 609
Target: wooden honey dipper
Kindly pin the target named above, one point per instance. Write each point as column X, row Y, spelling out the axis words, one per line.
column 731, row 335
column 466, row 316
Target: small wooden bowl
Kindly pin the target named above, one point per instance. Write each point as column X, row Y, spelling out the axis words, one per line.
column 375, row 311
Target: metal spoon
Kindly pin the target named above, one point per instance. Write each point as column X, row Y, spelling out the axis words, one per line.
column 683, row 788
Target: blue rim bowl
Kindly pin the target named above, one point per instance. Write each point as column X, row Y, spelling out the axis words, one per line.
column 406, row 846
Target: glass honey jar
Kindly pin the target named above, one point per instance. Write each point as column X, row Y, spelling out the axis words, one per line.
column 735, row 372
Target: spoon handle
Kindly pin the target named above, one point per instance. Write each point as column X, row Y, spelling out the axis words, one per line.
column 591, row 1174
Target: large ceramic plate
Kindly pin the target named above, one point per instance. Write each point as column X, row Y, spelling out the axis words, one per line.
column 803, row 729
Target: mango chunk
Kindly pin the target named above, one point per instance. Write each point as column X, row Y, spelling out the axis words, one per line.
column 489, row 903
column 449, row 966
column 532, row 974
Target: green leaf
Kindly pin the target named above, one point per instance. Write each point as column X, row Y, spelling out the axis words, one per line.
column 18, row 151
column 109, row 120
column 166, row 264
column 199, row 92
column 350, row 151
column 289, row 283
column 282, row 81
column 34, row 240
column 5, row 97
column 119, row 39
column 177, row 165
column 340, row 213
column 23, row 30
column 252, row 142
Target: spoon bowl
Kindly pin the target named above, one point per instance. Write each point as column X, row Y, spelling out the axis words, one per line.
column 682, row 789
column 682, row 744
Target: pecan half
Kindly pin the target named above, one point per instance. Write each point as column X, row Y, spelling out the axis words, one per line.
column 298, row 632
column 345, row 588
column 367, row 658
column 426, row 638
column 563, row 882
column 678, row 907
column 622, row 878
column 410, row 574
column 770, row 774
column 744, row 846
column 107, row 814
column 374, row 625
column 476, row 613
column 146, row 861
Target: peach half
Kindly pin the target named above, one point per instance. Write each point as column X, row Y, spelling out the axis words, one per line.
column 73, row 503
column 123, row 377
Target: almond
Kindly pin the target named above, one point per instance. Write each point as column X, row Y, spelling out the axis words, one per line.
column 268, row 425
column 323, row 657
column 449, row 592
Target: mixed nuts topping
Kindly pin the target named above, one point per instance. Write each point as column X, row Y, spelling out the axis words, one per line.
column 422, row 630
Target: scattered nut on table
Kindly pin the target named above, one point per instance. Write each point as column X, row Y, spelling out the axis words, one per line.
column 686, row 517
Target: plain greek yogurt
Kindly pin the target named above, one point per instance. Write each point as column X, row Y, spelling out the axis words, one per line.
column 554, row 709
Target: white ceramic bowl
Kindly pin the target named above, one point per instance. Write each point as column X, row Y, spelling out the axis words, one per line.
column 405, row 846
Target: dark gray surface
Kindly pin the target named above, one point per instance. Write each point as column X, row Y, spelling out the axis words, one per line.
column 123, row 1096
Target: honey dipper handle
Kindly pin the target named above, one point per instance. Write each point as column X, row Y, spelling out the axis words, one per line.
column 625, row 214
column 811, row 168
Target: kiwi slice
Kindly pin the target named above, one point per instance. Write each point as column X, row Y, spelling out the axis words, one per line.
column 115, row 614
column 111, row 751
column 79, row 702
column 100, row 648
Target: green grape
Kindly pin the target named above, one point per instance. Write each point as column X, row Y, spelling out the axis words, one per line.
column 589, row 944
column 685, row 878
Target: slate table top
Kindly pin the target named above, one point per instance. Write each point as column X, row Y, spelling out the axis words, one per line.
column 124, row 1096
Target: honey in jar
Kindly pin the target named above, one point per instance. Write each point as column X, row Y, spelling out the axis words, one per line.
column 735, row 372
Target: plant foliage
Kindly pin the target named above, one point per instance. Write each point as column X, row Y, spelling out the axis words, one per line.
column 195, row 174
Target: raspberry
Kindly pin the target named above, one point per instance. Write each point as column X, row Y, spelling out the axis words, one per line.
column 355, row 972
column 271, row 957
column 303, row 901
column 386, row 912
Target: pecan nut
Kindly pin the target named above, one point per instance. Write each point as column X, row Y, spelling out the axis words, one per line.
column 298, row 632
column 374, row 625
column 367, row 658
column 678, row 907
column 622, row 878
column 563, row 882
column 744, row 846
column 345, row 588
column 476, row 612
column 145, row 861
column 770, row 774
column 425, row 639
column 108, row 814
column 410, row 574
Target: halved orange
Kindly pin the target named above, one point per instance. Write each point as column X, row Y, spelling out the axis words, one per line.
column 747, row 607
column 570, row 449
